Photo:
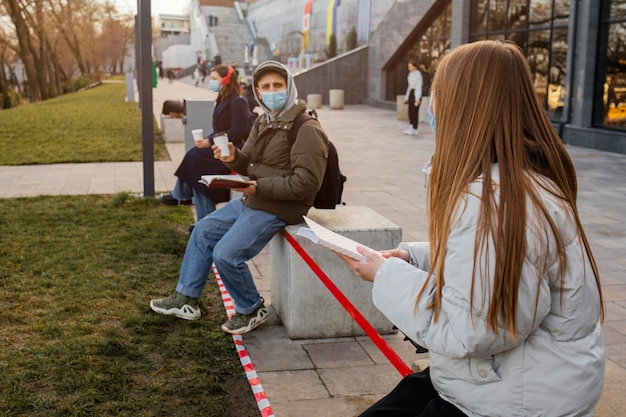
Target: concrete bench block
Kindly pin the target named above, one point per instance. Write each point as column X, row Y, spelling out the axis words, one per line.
column 336, row 99
column 308, row 310
column 402, row 110
column 172, row 129
column 314, row 101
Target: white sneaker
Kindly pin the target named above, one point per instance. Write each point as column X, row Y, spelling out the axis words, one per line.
column 410, row 131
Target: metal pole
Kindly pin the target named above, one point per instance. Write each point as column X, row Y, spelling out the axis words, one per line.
column 145, row 80
column 137, row 70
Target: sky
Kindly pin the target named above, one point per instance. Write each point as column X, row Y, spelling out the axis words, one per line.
column 157, row 6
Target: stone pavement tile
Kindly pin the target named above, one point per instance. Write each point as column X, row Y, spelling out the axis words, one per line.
column 614, row 292
column 611, row 271
column 405, row 350
column 360, row 380
column 615, row 311
column 613, row 401
column 619, row 325
column 331, row 407
column 617, row 352
column 611, row 334
column 293, row 385
column 272, row 350
column 337, row 354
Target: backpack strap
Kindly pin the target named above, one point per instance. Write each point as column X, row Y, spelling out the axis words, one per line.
column 298, row 122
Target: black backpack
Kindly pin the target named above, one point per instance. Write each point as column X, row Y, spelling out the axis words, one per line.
column 329, row 194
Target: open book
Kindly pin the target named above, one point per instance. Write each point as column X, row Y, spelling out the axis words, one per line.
column 320, row 235
column 225, row 181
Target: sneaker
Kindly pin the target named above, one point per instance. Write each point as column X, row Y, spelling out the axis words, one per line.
column 178, row 305
column 410, row 131
column 170, row 200
column 243, row 323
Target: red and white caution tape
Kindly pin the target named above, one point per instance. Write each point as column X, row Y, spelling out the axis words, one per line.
column 257, row 389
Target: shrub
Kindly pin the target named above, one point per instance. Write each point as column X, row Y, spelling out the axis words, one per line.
column 351, row 41
column 331, row 49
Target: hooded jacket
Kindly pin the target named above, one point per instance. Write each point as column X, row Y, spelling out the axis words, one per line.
column 554, row 368
column 288, row 176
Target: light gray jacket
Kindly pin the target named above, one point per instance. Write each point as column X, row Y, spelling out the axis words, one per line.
column 556, row 365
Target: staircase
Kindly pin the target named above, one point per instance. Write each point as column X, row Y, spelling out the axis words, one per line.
column 232, row 35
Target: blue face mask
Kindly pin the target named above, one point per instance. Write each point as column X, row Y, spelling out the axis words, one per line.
column 214, row 85
column 274, row 101
column 431, row 118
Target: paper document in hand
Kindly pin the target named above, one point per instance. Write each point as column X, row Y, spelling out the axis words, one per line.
column 225, row 181
column 320, row 235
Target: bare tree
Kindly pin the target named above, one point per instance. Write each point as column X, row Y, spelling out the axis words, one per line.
column 16, row 11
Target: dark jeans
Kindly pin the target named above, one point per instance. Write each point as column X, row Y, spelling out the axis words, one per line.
column 414, row 396
column 413, row 109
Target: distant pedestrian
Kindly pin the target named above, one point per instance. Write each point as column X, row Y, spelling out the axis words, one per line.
column 231, row 115
column 413, row 96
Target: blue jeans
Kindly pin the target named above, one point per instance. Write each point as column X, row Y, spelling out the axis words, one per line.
column 228, row 237
column 204, row 204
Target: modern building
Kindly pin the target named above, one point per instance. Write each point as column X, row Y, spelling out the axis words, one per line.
column 169, row 24
column 576, row 50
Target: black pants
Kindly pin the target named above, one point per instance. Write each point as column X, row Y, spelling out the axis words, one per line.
column 414, row 396
column 413, row 109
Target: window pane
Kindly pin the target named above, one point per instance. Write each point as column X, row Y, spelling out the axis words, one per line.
column 561, row 8
column 497, row 15
column 614, row 98
column 539, row 61
column 540, row 12
column 518, row 11
column 558, row 67
column 480, row 22
column 618, row 9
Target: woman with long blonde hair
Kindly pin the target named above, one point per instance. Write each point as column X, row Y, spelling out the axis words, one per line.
column 506, row 294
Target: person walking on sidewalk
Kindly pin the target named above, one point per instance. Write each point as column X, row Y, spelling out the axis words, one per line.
column 231, row 115
column 413, row 96
column 506, row 296
column 287, row 178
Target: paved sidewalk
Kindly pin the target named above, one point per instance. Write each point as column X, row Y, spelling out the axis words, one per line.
column 342, row 377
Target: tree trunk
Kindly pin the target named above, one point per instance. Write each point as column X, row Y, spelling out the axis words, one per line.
column 22, row 32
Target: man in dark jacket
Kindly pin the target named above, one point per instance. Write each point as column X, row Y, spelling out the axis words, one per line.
column 287, row 179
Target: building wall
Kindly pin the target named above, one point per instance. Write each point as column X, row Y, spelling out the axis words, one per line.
column 280, row 22
column 347, row 72
column 384, row 42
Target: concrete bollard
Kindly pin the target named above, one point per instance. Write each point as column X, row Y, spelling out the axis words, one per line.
column 314, row 101
column 402, row 110
column 335, row 98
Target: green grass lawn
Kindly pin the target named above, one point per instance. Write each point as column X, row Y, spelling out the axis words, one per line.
column 78, row 337
column 95, row 125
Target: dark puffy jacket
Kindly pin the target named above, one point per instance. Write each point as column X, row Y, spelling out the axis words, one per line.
column 288, row 177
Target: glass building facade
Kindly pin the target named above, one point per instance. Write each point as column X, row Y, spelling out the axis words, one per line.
column 540, row 28
column 576, row 50
column 610, row 85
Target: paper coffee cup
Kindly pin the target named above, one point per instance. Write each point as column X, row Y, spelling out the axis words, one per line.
column 197, row 134
column 221, row 140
